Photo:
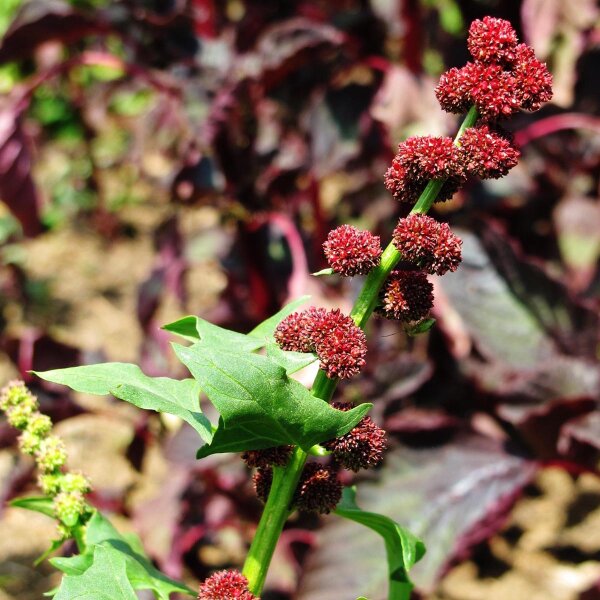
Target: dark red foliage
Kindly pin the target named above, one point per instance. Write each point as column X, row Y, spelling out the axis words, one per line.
column 351, row 251
column 406, row 296
column 429, row 244
column 225, row 585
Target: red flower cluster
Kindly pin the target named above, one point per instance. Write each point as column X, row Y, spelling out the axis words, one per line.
column 504, row 78
column 492, row 40
column 486, row 154
column 340, row 345
column 429, row 244
column 269, row 457
column 318, row 491
column 419, row 159
column 226, row 585
column 351, row 251
column 360, row 448
column 406, row 296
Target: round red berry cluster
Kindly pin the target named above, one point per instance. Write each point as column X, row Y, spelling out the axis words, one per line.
column 340, row 345
column 351, row 251
column 505, row 76
column 228, row 584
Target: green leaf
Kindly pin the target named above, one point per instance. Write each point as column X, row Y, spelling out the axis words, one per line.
column 127, row 382
column 41, row 504
column 266, row 328
column 290, row 361
column 106, row 579
column 260, row 405
column 403, row 549
column 420, row 327
column 141, row 573
column 322, row 272
column 195, row 329
column 185, row 328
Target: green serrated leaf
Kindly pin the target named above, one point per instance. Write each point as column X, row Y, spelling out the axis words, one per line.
column 41, row 504
column 141, row 573
column 322, row 272
column 290, row 361
column 266, row 328
column 195, row 329
column 106, row 579
column 260, row 405
column 403, row 549
column 127, row 382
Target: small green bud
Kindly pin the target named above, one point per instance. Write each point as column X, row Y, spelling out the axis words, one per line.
column 75, row 482
column 51, row 455
column 68, row 507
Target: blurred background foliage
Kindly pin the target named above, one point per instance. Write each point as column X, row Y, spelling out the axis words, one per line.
column 166, row 157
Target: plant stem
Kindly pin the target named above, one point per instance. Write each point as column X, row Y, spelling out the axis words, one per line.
column 285, row 479
column 275, row 514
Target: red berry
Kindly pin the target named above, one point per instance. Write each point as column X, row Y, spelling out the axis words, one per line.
column 269, row 457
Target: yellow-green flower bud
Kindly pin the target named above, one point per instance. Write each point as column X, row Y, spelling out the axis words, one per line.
column 51, row 483
column 51, row 455
column 39, row 424
column 29, row 443
column 75, row 482
column 68, row 507
column 19, row 416
column 16, row 394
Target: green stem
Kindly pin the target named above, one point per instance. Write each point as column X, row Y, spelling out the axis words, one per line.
column 275, row 514
column 285, row 479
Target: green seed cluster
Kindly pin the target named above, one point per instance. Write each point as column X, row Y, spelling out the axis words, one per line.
column 67, row 489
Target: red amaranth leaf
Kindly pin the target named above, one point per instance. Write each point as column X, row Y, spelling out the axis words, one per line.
column 444, row 495
column 17, row 189
column 42, row 21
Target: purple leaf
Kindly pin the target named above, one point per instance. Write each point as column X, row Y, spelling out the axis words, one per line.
column 579, row 439
column 42, row 21
column 443, row 495
column 17, row 189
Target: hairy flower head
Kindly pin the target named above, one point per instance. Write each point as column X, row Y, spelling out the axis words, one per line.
column 351, row 251
column 360, row 448
column 318, row 490
column 277, row 456
column 492, row 40
column 406, row 296
column 340, row 345
column 427, row 243
column 225, row 585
